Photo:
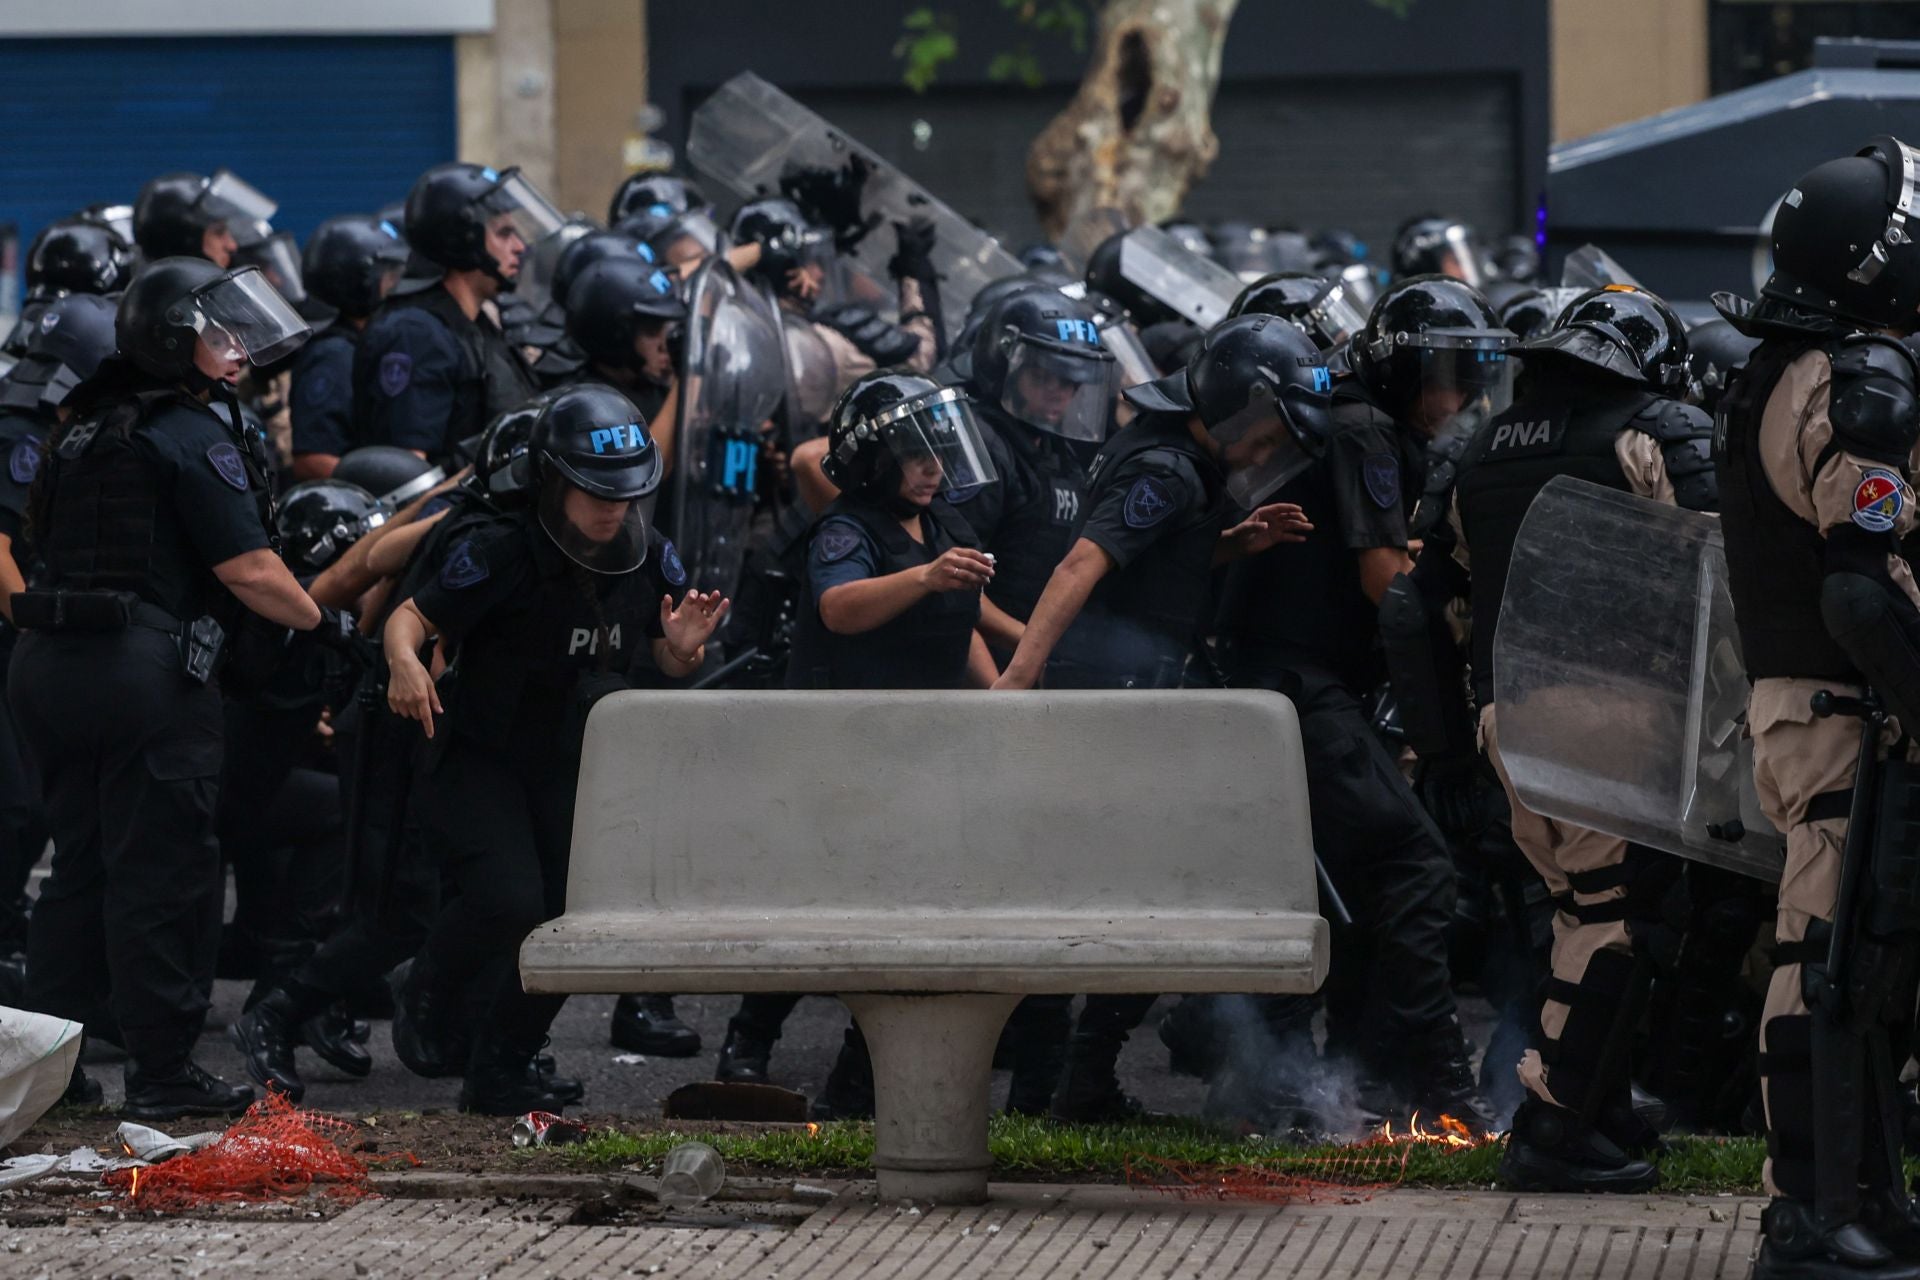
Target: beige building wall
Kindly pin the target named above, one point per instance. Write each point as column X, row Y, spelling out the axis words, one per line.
column 555, row 88
column 1620, row 60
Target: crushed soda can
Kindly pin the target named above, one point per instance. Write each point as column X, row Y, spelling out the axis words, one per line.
column 545, row 1129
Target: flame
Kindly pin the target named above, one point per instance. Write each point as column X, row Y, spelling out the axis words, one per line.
column 1448, row 1132
column 813, row 1130
column 133, row 1193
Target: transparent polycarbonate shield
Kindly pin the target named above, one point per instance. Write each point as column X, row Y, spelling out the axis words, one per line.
column 813, row 380
column 1086, row 231
column 1591, row 267
column 749, row 135
column 1620, row 689
column 734, row 379
column 1196, row 287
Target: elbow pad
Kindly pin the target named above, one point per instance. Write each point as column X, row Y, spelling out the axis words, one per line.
column 1685, row 437
column 1872, row 402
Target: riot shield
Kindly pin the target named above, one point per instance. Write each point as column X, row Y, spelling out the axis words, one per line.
column 1196, row 287
column 1086, row 231
column 749, row 136
column 813, row 381
column 1617, row 673
column 733, row 380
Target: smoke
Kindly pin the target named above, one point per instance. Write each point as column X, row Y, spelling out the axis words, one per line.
column 1272, row 1077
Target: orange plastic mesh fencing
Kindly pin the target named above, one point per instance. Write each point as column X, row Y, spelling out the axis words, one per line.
column 274, row 1151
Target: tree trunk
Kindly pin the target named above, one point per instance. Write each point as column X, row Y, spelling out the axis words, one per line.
column 1137, row 135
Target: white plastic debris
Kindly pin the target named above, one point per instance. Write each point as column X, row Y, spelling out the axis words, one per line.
column 150, row 1146
column 83, row 1163
column 628, row 1059
column 37, row 1054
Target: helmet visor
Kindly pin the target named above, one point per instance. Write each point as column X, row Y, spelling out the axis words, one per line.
column 240, row 316
column 937, row 441
column 1133, row 365
column 245, row 209
column 531, row 214
column 534, row 283
column 1460, row 257
column 1065, row 391
column 1335, row 316
column 278, row 257
column 1460, row 372
column 604, row 535
column 1591, row 267
column 1266, row 444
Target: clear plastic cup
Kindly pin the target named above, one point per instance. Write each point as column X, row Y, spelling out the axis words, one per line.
column 691, row 1175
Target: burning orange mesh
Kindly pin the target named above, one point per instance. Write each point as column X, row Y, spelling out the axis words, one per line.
column 1378, row 1162
column 275, row 1150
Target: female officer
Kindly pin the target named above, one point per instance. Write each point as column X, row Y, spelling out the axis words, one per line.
column 542, row 612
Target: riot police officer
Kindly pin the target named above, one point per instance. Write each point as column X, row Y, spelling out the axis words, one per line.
column 351, row 263
column 432, row 367
column 657, row 193
column 545, row 611
column 1599, row 402
column 150, row 518
column 197, row 216
column 73, row 255
column 1326, row 309
column 619, row 313
column 1302, row 619
column 1815, row 490
column 70, row 337
column 1439, row 247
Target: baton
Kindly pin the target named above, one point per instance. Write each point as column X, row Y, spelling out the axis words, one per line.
column 726, row 669
column 1330, row 896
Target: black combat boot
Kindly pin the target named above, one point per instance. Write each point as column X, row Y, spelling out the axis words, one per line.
column 1795, row 1246
column 648, row 1024
column 848, row 1094
column 502, row 1081
column 82, row 1090
column 429, row 1035
column 339, row 1040
column 1440, row 1080
column 1552, row 1149
column 1090, row 1092
column 181, row 1089
column 265, row 1036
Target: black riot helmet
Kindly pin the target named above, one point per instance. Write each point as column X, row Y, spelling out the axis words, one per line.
column 1623, row 331
column 503, row 440
column 982, row 305
column 175, row 302
column 394, row 476
column 612, row 301
column 1440, row 247
column 1432, row 348
column 1324, row 309
column 1715, row 352
column 891, row 419
column 1844, row 238
column 171, row 217
column 1104, row 276
column 351, row 261
column 451, row 206
column 662, row 193
column 1039, row 357
column 77, row 255
column 1262, row 390
column 64, row 345
column 595, row 246
column 591, row 438
column 319, row 519
column 788, row 240
column 1532, row 312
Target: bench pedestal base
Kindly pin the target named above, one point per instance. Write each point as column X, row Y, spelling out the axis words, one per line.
column 932, row 1071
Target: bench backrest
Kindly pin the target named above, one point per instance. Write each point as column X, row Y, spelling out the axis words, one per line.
column 1056, row 803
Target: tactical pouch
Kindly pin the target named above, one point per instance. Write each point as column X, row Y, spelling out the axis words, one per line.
column 200, row 643
column 74, row 610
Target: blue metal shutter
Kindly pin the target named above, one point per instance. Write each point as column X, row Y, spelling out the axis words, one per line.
column 323, row 125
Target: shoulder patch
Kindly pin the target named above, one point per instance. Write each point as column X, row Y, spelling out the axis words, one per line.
column 1148, row 503
column 318, row 384
column 968, row 494
column 464, row 567
column 1380, row 472
column 835, row 542
column 396, row 371
column 671, row 566
column 1877, row 501
column 229, row 465
column 23, row 464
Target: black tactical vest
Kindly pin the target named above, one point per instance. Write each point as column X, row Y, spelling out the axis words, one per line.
column 1037, row 528
column 925, row 647
column 1775, row 559
column 1560, row 429
column 492, row 378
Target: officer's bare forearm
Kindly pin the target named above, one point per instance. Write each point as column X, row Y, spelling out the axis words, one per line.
column 1066, row 595
column 854, row 607
column 390, row 554
column 808, row 461
column 744, row 257
column 672, row 665
column 1379, row 566
column 999, row 626
column 314, row 466
column 261, row 581
column 380, row 554
column 12, row 581
column 981, row 671
column 403, row 635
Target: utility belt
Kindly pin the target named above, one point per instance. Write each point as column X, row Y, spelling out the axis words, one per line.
column 201, row 640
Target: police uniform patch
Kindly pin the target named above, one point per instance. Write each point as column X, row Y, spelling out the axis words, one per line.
column 955, row 497
column 1148, row 503
column 319, row 385
column 396, row 371
column 671, row 567
column 229, row 465
column 1877, row 501
column 1380, row 472
column 23, row 464
column 464, row 568
column 835, row 542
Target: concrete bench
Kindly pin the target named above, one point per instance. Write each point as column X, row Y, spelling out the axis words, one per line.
column 930, row 858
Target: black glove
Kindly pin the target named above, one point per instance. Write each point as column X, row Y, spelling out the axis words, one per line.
column 1460, row 796
column 913, row 260
column 677, row 347
column 339, row 632
column 832, row 196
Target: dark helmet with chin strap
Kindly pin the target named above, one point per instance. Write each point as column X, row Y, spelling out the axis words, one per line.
column 319, row 519
column 1432, row 332
column 451, row 204
column 591, row 438
column 1262, row 390
column 663, row 193
column 1321, row 307
column 1844, row 238
column 174, row 210
column 503, row 440
column 1623, row 331
column 889, row 417
column 788, row 239
column 1715, row 352
column 394, row 476
column 612, row 300
column 1430, row 246
column 350, row 261
column 1104, row 276
column 65, row 344
column 176, row 302
column 77, row 255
